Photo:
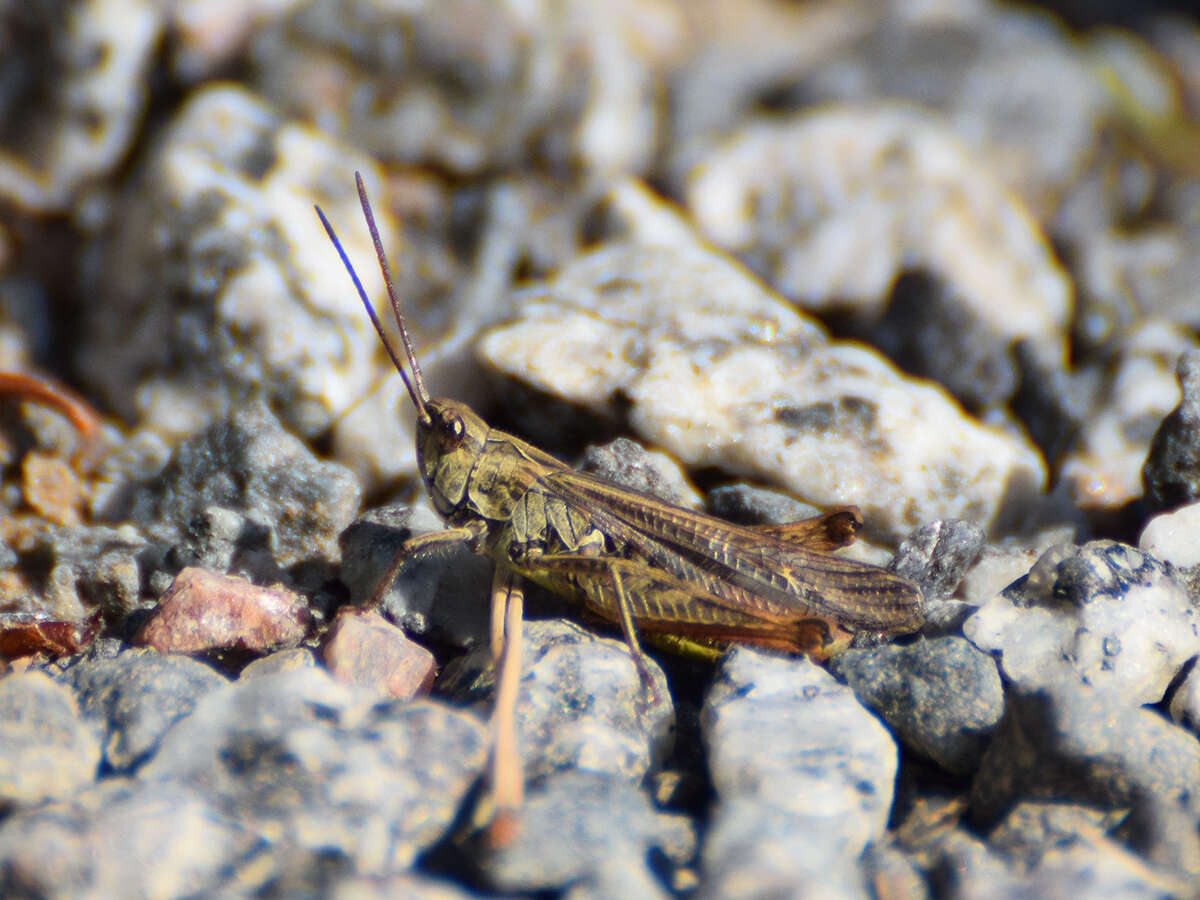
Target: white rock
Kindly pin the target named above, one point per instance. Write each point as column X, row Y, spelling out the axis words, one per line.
column 804, row 799
column 1174, row 536
column 836, row 202
column 721, row 372
column 1106, row 462
column 1102, row 614
column 220, row 286
column 88, row 104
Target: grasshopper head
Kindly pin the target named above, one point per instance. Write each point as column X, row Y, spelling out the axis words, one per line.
column 450, row 438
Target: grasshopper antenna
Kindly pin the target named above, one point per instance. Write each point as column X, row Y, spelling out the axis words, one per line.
column 416, row 387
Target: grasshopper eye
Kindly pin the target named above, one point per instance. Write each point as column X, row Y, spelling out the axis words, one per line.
column 451, row 430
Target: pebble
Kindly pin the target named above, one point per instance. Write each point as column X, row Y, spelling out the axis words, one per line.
column 134, row 697
column 204, row 611
column 280, row 661
column 1174, row 536
column 577, row 83
column 48, row 751
column 942, row 697
column 1107, row 460
column 1172, row 470
column 596, row 192
column 932, row 208
column 593, row 831
column 78, row 118
column 1072, row 741
column 316, row 767
column 798, row 804
column 1102, row 615
column 937, row 556
column 750, row 505
column 363, row 648
column 718, row 371
column 221, row 287
column 581, row 703
column 631, row 465
column 87, row 568
column 994, row 63
column 52, row 488
column 84, row 846
column 251, row 465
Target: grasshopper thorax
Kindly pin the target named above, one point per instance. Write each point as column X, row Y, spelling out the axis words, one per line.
column 450, row 439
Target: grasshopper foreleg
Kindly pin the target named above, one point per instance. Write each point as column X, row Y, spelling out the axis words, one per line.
column 422, row 545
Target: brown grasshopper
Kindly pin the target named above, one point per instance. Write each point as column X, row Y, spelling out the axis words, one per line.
column 686, row 579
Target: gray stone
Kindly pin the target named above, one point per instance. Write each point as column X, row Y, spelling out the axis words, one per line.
column 220, row 539
column 937, row 555
column 87, row 569
column 48, row 752
column 795, row 803
column 135, row 697
column 1172, row 470
column 590, row 830
column 1102, row 614
column 942, row 697
column 220, row 288
column 1075, row 742
column 1135, row 391
column 76, row 86
column 720, row 372
column 631, row 465
column 932, row 207
column 580, row 87
column 119, row 839
column 251, row 465
column 751, row 505
column 581, row 703
column 318, row 767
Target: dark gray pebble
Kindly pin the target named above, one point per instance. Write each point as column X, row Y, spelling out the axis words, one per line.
column 250, row 464
column 942, row 697
column 1171, row 474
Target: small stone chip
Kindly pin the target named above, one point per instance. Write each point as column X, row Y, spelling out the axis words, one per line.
column 366, row 649
column 203, row 610
column 51, row 488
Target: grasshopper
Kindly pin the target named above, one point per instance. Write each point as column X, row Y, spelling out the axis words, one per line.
column 688, row 580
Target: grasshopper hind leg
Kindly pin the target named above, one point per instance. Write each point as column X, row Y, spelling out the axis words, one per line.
column 508, row 786
column 640, row 660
